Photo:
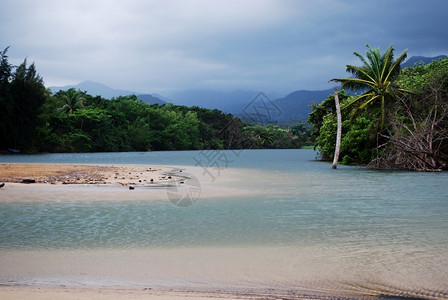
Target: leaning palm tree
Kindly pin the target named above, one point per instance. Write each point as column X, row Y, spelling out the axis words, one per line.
column 73, row 100
column 339, row 129
column 376, row 76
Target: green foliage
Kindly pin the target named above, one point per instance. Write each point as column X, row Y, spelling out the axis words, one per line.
column 421, row 76
column 22, row 95
column 376, row 76
column 303, row 134
column 72, row 100
column 415, row 134
column 358, row 141
column 326, row 140
column 320, row 110
column 357, row 134
column 268, row 137
column 73, row 121
column 418, row 135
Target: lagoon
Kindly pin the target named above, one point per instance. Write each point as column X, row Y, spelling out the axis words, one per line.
column 290, row 225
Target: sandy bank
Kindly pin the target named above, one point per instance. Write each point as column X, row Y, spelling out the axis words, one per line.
column 81, row 174
column 81, row 293
column 61, row 182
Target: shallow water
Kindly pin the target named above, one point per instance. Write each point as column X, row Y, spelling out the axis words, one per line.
column 290, row 224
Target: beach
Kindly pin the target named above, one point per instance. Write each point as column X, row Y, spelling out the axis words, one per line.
column 88, row 293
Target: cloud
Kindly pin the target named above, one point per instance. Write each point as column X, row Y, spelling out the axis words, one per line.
column 162, row 46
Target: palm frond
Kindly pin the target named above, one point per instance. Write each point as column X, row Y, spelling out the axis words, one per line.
column 386, row 61
column 405, row 91
column 375, row 61
column 357, row 99
column 368, row 101
column 364, row 61
column 376, row 73
column 354, row 83
column 395, row 68
column 360, row 72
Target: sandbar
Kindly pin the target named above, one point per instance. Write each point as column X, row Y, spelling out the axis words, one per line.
column 113, row 182
column 101, row 293
column 81, row 174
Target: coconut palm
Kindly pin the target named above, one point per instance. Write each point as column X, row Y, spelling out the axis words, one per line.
column 376, row 76
column 73, row 100
column 339, row 129
column 298, row 129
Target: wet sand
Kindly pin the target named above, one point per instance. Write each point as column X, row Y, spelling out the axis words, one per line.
column 83, row 293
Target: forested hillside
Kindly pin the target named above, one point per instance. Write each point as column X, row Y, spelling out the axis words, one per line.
column 34, row 120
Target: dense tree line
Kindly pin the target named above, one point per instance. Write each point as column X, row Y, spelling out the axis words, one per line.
column 399, row 120
column 34, row 120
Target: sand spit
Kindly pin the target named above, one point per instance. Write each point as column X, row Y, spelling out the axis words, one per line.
column 101, row 293
column 82, row 174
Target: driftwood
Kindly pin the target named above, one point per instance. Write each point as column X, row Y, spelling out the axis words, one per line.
column 419, row 141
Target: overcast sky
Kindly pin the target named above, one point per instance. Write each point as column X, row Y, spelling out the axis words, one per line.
column 153, row 46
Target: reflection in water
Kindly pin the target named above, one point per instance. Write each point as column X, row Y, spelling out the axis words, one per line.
column 286, row 226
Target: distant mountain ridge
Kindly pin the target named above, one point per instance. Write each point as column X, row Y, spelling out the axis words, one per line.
column 99, row 89
column 416, row 59
column 222, row 100
column 297, row 105
column 94, row 89
column 294, row 106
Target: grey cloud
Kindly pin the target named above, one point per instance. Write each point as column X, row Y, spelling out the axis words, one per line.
column 156, row 46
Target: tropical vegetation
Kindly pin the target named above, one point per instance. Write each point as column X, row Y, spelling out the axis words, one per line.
column 399, row 120
column 35, row 120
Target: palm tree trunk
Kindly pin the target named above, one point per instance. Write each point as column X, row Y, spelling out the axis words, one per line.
column 339, row 129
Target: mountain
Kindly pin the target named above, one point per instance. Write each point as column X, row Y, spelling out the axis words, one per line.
column 222, row 100
column 294, row 106
column 416, row 59
column 297, row 105
column 99, row 89
column 94, row 89
column 150, row 99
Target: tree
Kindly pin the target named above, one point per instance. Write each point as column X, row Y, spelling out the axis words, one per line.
column 72, row 100
column 418, row 136
column 358, row 135
column 327, row 106
column 376, row 76
column 339, row 129
column 22, row 94
column 321, row 116
column 298, row 129
column 5, row 70
column 5, row 95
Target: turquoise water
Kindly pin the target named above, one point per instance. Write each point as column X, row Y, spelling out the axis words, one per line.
column 371, row 222
column 272, row 220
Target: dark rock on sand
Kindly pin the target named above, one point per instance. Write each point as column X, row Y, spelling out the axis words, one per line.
column 28, row 181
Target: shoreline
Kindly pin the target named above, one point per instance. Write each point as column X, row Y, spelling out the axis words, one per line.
column 62, row 292
column 118, row 293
